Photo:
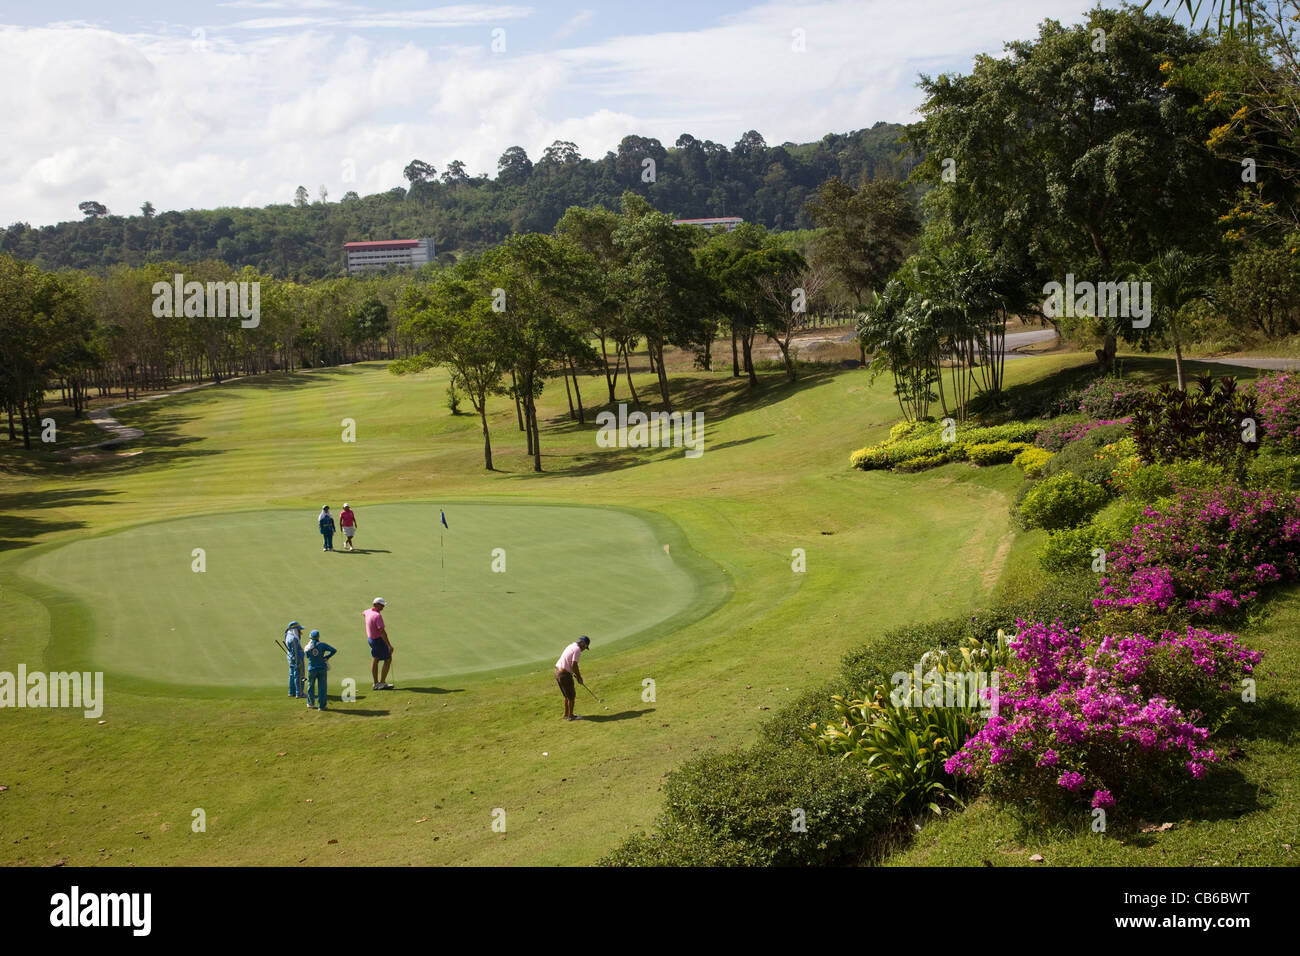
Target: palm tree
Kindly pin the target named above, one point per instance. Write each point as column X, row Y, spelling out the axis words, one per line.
column 1177, row 279
column 898, row 327
column 1228, row 11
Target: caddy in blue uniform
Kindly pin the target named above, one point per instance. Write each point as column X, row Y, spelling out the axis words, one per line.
column 297, row 670
column 318, row 654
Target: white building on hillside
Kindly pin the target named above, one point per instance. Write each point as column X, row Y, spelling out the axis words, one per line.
column 727, row 222
column 387, row 252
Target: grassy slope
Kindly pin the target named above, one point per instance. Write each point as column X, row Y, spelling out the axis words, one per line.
column 774, row 477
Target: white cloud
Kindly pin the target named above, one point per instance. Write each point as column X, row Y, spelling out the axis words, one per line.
column 243, row 117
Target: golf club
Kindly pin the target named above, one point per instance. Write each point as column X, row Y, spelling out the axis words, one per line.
column 593, row 694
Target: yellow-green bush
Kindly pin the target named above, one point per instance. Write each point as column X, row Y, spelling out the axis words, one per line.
column 995, row 453
column 926, row 440
column 1032, row 460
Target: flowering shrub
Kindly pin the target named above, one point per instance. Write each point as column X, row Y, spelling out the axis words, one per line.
column 1056, row 437
column 1111, row 398
column 1080, row 456
column 1206, row 552
column 1098, row 719
column 904, row 735
column 1277, row 399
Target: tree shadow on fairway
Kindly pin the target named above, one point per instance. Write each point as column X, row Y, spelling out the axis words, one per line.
column 718, row 398
column 435, row 690
column 622, row 715
column 16, row 530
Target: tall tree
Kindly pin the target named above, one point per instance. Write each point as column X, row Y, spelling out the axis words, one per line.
column 454, row 316
column 868, row 233
column 662, row 284
column 532, row 271
column 590, row 235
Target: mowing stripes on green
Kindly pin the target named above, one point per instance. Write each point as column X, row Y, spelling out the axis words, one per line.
column 569, row 570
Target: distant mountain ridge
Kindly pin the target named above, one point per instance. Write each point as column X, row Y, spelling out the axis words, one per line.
column 692, row 179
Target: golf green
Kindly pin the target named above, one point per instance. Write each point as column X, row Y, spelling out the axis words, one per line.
column 568, row 570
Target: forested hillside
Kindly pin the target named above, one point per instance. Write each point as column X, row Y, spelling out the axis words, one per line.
column 302, row 238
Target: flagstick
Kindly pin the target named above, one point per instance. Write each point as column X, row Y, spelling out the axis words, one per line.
column 443, row 557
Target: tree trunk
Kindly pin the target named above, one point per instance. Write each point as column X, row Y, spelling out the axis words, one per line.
column 610, row 380
column 487, row 439
column 627, row 366
column 568, row 392
column 577, row 394
column 785, row 354
column 747, row 344
column 514, row 390
column 658, row 352
column 528, row 423
column 735, row 355
column 536, row 436
column 1106, row 354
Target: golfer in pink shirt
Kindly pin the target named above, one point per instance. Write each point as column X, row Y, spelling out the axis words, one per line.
column 381, row 648
column 566, row 671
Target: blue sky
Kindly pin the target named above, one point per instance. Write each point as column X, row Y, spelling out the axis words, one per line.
column 238, row 103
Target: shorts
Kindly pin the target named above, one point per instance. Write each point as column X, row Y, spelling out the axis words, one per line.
column 349, row 530
column 567, row 687
column 378, row 648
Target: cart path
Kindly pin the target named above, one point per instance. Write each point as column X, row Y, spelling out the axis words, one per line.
column 123, row 433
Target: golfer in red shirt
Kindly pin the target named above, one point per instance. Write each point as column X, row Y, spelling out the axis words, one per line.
column 348, row 525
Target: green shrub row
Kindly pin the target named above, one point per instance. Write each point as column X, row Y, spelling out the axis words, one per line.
column 923, row 444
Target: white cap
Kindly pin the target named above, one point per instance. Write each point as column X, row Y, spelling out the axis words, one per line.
column 346, row 505
column 380, row 601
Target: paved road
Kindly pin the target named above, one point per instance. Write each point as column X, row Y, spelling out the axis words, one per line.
column 1250, row 362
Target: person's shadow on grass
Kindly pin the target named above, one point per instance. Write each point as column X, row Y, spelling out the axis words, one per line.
column 622, row 715
column 356, row 713
column 365, row 551
column 434, row 690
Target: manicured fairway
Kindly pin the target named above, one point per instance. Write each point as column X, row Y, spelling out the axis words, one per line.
column 438, row 755
column 567, row 571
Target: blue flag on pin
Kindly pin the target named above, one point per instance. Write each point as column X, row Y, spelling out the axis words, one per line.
column 444, row 518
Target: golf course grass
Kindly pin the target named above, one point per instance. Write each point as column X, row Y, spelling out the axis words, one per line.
column 691, row 651
column 159, row 615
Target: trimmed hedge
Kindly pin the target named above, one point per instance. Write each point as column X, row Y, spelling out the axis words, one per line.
column 923, row 445
column 740, row 808
column 995, row 453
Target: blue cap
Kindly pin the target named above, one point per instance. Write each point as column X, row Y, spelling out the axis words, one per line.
column 315, row 634
column 585, row 640
column 293, row 624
